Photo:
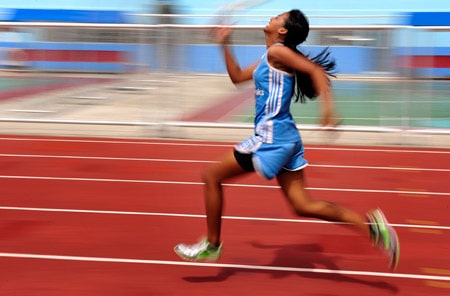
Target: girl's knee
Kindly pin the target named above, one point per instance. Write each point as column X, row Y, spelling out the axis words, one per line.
column 209, row 177
column 317, row 209
column 302, row 210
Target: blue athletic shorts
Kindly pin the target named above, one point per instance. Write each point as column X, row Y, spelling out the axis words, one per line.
column 270, row 159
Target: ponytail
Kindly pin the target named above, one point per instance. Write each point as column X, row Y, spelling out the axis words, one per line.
column 298, row 29
column 303, row 87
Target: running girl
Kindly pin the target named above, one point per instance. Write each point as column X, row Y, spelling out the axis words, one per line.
column 276, row 150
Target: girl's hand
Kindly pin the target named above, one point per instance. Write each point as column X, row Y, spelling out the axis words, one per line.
column 330, row 119
column 222, row 35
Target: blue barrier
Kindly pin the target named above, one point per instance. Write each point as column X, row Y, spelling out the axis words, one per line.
column 66, row 15
column 429, row 19
column 424, row 58
column 189, row 58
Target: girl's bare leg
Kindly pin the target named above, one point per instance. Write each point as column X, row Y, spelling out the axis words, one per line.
column 293, row 186
column 213, row 178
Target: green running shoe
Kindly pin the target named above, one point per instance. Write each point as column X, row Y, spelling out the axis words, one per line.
column 202, row 250
column 384, row 236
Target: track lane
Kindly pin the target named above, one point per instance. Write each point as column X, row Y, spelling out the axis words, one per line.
column 248, row 243
column 196, row 150
column 162, row 169
column 252, row 242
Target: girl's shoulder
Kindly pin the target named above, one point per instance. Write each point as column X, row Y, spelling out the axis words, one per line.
column 276, row 46
column 277, row 54
column 279, row 49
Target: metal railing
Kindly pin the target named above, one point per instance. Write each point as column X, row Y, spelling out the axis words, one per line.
column 162, row 68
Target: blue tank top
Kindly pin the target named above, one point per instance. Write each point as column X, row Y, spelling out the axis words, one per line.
column 273, row 95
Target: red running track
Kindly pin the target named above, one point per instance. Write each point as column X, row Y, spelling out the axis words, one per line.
column 101, row 216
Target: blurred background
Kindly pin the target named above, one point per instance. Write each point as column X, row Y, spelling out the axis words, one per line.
column 149, row 68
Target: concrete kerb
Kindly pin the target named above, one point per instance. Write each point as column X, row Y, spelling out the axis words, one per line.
column 225, row 133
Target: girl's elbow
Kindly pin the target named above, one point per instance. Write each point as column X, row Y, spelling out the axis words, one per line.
column 238, row 79
column 235, row 80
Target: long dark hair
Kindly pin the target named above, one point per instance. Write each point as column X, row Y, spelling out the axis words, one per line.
column 298, row 29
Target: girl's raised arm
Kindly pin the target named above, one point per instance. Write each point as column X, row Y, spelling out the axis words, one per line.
column 236, row 73
column 287, row 58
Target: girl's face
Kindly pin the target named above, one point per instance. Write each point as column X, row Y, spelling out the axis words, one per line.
column 276, row 23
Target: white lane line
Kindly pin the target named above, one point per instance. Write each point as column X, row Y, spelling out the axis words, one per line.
column 104, row 141
column 106, row 158
column 378, row 168
column 212, row 161
column 201, row 144
column 105, row 212
column 49, row 178
column 223, row 265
